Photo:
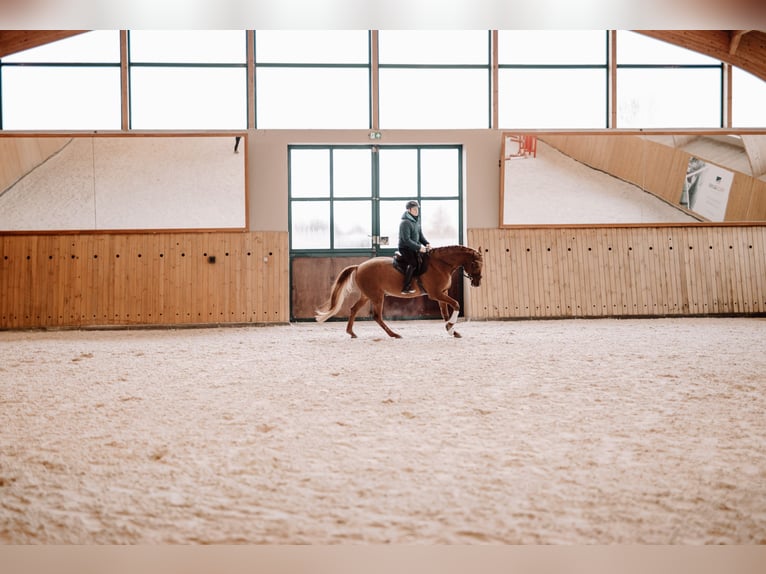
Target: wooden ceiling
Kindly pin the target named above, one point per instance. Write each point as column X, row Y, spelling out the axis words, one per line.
column 744, row 49
column 12, row 41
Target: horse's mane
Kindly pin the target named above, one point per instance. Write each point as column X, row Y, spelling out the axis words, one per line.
column 453, row 248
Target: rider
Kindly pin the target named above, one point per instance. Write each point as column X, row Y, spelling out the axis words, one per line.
column 411, row 242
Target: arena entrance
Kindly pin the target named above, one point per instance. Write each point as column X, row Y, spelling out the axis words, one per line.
column 345, row 203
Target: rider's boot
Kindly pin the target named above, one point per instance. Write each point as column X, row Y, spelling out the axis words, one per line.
column 408, row 273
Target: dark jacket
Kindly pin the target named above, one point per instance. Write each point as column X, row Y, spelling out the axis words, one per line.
column 410, row 235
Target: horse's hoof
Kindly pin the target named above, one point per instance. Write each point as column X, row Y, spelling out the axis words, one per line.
column 396, row 335
column 457, row 335
column 353, row 335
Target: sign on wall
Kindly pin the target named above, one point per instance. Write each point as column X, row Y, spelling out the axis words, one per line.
column 706, row 189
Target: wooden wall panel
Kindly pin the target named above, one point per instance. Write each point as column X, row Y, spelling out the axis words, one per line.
column 167, row 279
column 619, row 271
column 143, row 279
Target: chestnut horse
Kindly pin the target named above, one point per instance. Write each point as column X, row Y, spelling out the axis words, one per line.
column 377, row 277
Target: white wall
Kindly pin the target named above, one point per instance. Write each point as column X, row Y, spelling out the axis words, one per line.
column 267, row 168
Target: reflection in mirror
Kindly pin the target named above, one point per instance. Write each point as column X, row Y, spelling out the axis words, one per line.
column 122, row 182
column 598, row 178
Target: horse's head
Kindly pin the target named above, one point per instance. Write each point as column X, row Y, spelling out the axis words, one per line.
column 473, row 268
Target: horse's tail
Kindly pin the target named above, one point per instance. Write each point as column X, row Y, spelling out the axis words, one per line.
column 343, row 285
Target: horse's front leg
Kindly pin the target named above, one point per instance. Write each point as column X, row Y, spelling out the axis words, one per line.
column 445, row 303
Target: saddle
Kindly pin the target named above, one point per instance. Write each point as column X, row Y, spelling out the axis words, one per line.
column 400, row 264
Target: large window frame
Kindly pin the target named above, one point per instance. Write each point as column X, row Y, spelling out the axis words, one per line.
column 174, row 72
column 54, row 79
column 323, row 108
column 436, row 83
column 659, row 71
column 322, row 197
column 518, row 94
column 122, row 70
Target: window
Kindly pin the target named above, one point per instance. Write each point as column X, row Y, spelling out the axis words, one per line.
column 320, row 79
column 434, row 80
column 331, row 196
column 664, row 86
column 312, row 79
column 352, row 197
column 166, row 98
column 71, row 84
column 748, row 97
column 552, row 79
column 188, row 80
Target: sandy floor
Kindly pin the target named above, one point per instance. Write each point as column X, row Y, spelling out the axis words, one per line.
column 575, row 431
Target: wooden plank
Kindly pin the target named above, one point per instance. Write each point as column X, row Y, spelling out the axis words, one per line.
column 745, row 272
column 584, row 272
column 538, row 258
column 660, row 275
column 507, row 290
column 717, row 261
column 579, row 272
column 724, row 260
column 759, row 247
column 676, row 270
column 517, row 253
column 695, row 278
column 604, row 267
column 525, row 273
column 613, row 296
column 598, row 291
column 759, row 252
column 537, row 250
column 492, row 268
column 500, row 280
column 571, row 266
column 736, row 242
column 558, row 251
column 749, row 274
column 641, row 270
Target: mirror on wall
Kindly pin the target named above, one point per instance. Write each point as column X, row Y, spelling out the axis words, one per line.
column 632, row 178
column 136, row 182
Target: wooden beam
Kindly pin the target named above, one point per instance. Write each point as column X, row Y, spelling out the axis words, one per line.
column 12, row 41
column 124, row 81
column 750, row 52
column 736, row 36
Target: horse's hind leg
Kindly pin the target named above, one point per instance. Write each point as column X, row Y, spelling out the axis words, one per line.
column 377, row 312
column 354, row 310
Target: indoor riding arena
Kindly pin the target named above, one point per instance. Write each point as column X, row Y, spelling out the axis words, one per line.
column 163, row 379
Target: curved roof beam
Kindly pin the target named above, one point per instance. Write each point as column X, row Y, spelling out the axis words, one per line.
column 744, row 49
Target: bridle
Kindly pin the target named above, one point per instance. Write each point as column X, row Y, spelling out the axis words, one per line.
column 466, row 275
